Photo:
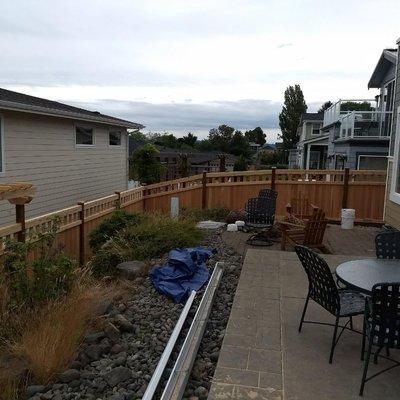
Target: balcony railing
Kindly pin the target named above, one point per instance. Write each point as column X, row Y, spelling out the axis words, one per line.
column 361, row 124
column 335, row 111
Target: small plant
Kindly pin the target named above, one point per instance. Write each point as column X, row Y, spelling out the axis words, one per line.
column 109, row 227
column 24, row 281
column 152, row 238
column 52, row 337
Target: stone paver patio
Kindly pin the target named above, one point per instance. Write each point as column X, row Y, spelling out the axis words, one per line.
column 264, row 357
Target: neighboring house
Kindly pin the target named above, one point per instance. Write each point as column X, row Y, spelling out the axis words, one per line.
column 197, row 161
column 254, row 147
column 392, row 201
column 68, row 153
column 312, row 147
column 360, row 139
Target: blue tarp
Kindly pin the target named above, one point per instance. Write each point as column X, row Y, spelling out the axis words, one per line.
column 184, row 271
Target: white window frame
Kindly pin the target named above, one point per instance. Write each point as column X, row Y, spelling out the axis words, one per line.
column 312, row 129
column 394, row 196
column 113, row 146
column 369, row 155
column 2, row 134
column 84, row 146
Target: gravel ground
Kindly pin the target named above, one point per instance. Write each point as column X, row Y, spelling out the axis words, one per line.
column 117, row 362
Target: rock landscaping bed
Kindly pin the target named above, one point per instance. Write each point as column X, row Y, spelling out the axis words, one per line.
column 117, row 361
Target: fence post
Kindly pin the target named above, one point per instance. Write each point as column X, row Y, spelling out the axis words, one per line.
column 20, row 219
column 143, row 197
column 204, row 191
column 345, row 187
column 82, row 246
column 273, row 177
column 118, row 201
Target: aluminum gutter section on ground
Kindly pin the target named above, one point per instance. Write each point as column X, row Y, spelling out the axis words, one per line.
column 180, row 374
column 151, row 388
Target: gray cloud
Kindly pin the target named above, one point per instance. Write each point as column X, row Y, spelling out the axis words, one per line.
column 282, row 45
column 241, row 114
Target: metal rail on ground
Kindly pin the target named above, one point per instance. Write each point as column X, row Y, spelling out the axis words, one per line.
column 178, row 379
column 151, row 388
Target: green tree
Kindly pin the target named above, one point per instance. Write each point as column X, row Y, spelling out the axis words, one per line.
column 325, row 106
column 190, row 140
column 289, row 119
column 239, row 145
column 240, row 164
column 144, row 166
column 256, row 135
column 221, row 137
column 355, row 106
column 167, row 140
column 204, row 145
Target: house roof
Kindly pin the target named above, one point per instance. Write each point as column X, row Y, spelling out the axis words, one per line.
column 311, row 117
column 388, row 59
column 15, row 101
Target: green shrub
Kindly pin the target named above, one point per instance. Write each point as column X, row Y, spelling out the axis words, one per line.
column 214, row 214
column 109, row 227
column 152, row 238
column 28, row 281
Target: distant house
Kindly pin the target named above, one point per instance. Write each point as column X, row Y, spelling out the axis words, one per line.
column 351, row 133
column 312, row 147
column 359, row 139
column 197, row 161
column 68, row 153
column 254, row 147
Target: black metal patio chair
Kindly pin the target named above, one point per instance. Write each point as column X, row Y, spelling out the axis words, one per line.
column 381, row 326
column 268, row 194
column 387, row 245
column 341, row 303
column 260, row 215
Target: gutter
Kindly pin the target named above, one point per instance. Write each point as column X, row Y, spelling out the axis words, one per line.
column 12, row 106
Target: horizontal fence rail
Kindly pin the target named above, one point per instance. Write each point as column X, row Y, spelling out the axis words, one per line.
column 331, row 190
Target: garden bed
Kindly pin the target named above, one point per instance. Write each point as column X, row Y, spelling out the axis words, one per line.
column 117, row 361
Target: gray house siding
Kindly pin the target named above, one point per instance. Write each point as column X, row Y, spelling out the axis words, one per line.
column 395, row 107
column 392, row 209
column 41, row 150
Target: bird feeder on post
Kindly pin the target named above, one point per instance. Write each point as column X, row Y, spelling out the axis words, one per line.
column 18, row 194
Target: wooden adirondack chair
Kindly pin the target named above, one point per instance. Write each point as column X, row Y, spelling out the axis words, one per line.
column 311, row 235
column 301, row 208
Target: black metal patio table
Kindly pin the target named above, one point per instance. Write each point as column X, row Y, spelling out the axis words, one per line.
column 362, row 275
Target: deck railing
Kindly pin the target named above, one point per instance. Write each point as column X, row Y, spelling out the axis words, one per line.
column 331, row 190
column 334, row 112
column 365, row 124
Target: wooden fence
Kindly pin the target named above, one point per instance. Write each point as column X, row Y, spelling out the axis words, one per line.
column 331, row 190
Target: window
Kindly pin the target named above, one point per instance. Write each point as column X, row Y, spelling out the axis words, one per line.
column 84, row 136
column 115, row 138
column 372, row 162
column 316, row 129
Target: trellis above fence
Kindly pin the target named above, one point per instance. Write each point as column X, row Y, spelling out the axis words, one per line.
column 328, row 189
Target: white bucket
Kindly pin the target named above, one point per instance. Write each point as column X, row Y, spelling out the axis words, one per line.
column 348, row 217
column 232, row 228
column 240, row 225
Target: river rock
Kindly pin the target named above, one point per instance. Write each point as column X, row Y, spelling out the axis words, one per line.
column 69, row 375
column 33, row 389
column 117, row 375
column 131, row 269
column 123, row 324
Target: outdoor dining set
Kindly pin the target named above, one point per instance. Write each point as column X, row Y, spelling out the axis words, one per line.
column 368, row 288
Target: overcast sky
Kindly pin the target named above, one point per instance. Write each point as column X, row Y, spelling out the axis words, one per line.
column 190, row 65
